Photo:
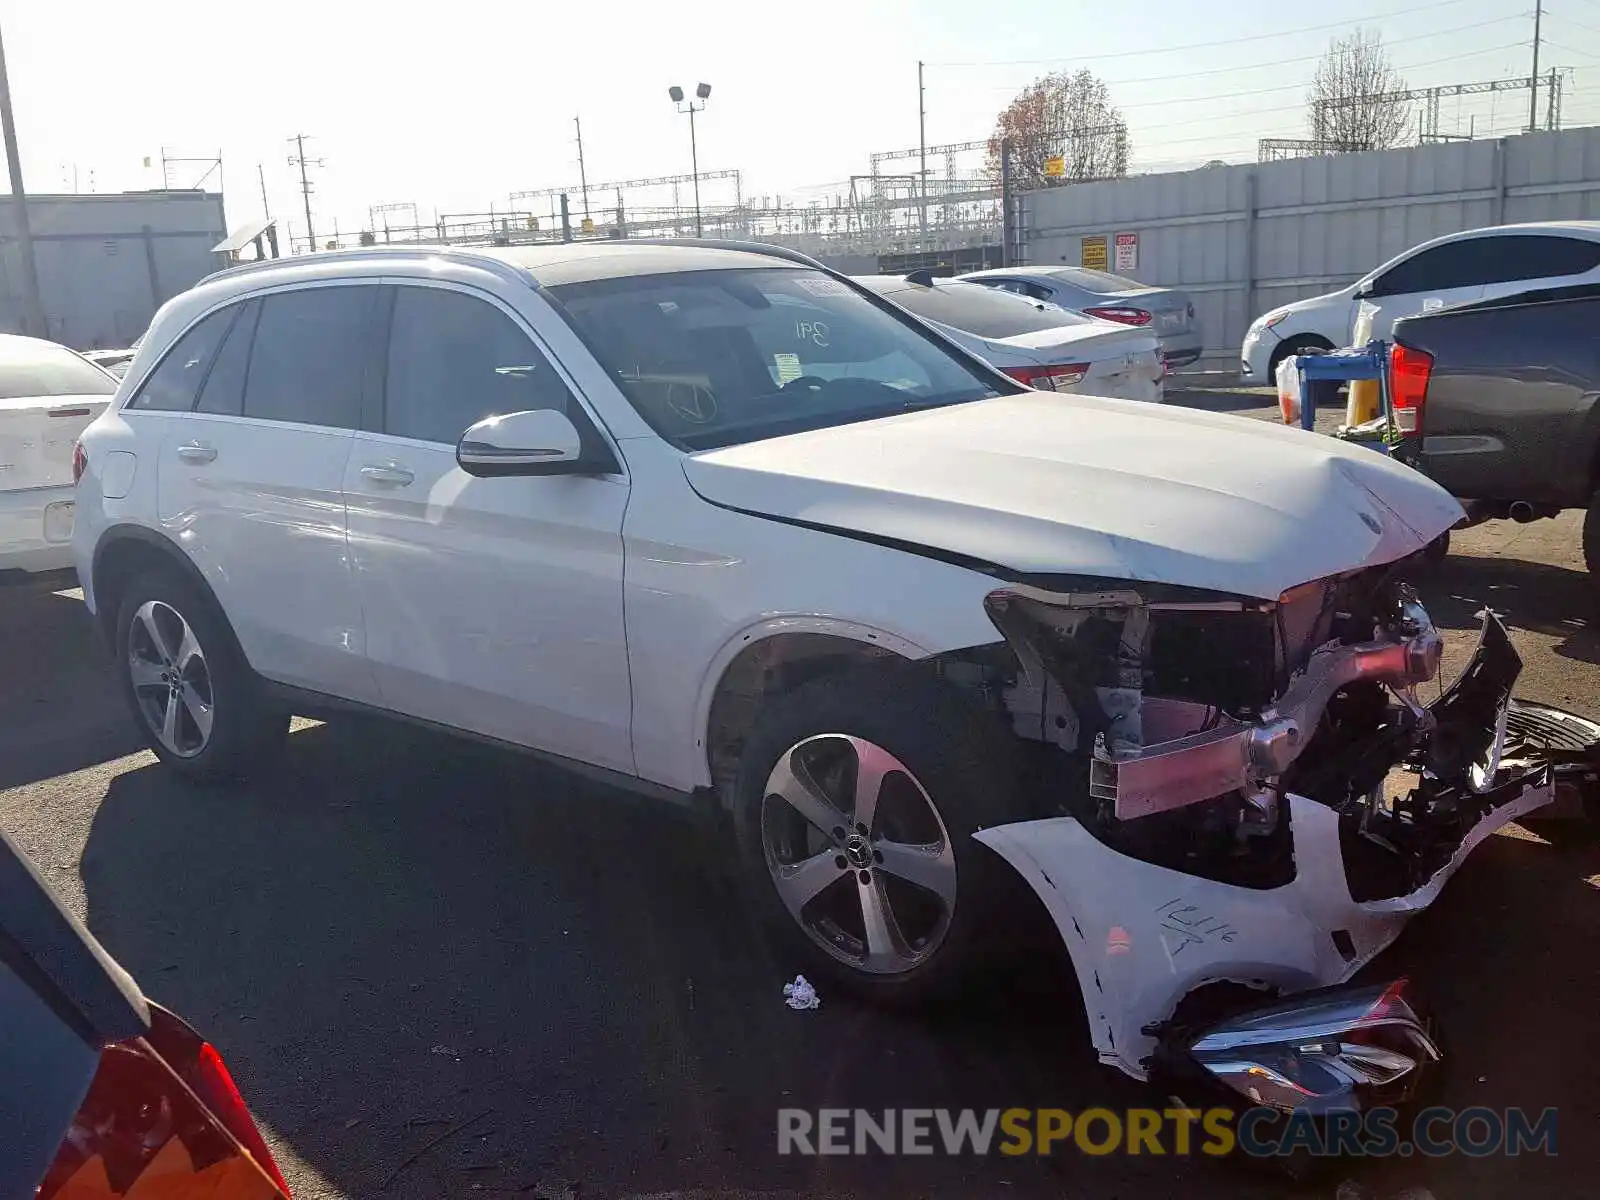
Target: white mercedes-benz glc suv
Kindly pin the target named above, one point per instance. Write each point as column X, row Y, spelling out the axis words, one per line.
column 725, row 527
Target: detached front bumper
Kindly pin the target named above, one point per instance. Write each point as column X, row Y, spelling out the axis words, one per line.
column 1143, row 937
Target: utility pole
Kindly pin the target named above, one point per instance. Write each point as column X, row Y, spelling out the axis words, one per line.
column 583, row 178
column 1533, row 76
column 299, row 159
column 922, row 152
column 266, row 209
column 34, row 305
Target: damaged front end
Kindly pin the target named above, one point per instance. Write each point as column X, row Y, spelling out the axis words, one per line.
column 1244, row 795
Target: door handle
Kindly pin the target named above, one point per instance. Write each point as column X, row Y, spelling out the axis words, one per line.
column 197, row 452
column 391, row 473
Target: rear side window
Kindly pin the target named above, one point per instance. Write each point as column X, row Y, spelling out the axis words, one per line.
column 986, row 312
column 1537, row 256
column 173, row 385
column 454, row 360
column 223, row 390
column 306, row 361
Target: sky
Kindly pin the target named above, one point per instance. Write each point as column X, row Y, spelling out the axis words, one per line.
column 454, row 106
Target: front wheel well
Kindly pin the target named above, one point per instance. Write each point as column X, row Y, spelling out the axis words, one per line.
column 763, row 670
column 1295, row 343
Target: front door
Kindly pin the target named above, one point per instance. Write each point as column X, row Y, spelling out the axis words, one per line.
column 249, row 479
column 492, row 605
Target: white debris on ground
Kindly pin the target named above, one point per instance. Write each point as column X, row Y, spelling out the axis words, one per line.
column 800, row 994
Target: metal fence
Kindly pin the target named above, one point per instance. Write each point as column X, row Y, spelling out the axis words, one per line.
column 1244, row 239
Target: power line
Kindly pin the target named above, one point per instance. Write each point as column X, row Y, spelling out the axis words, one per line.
column 1305, row 58
column 1589, row 54
column 1566, row 20
column 1235, row 41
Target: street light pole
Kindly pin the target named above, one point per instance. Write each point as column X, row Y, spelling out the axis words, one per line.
column 702, row 93
column 694, row 166
column 34, row 310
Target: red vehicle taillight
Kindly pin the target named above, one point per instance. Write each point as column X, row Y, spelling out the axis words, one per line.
column 80, row 461
column 1120, row 313
column 214, row 1085
column 1408, row 386
column 1049, row 378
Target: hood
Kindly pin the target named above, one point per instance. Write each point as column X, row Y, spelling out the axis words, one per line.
column 1046, row 484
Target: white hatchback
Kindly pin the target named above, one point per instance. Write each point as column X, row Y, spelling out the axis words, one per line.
column 719, row 525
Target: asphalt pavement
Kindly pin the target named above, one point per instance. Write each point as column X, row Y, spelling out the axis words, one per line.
column 442, row 970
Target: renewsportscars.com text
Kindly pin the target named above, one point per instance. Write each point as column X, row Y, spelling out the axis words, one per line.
column 1217, row 1132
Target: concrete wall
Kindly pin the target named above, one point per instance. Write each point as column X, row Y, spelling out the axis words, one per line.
column 107, row 262
column 1245, row 239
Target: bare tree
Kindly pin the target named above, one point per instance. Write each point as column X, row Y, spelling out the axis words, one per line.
column 1066, row 116
column 1353, row 97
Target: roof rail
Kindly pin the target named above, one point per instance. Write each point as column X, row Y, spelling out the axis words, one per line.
column 748, row 247
column 412, row 250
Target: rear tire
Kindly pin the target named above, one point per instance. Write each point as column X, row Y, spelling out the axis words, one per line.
column 821, row 881
column 199, row 705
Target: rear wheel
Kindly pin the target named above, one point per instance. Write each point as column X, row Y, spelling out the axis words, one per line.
column 855, row 807
column 197, row 702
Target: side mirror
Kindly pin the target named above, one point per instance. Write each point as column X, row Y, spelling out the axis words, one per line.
column 539, row 442
column 1364, row 288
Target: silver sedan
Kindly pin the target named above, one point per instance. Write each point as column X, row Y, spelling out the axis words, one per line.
column 1166, row 312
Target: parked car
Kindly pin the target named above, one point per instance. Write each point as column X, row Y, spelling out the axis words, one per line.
column 114, row 361
column 1475, row 264
column 716, row 524
column 1499, row 402
column 1166, row 312
column 1036, row 343
column 48, row 396
column 103, row 1092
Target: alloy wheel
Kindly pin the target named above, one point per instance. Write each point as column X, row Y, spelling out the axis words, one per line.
column 171, row 679
column 858, row 853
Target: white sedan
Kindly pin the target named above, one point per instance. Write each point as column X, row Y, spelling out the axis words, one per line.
column 48, row 396
column 1037, row 343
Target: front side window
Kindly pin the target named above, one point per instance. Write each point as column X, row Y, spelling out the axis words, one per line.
column 306, row 362
column 454, row 360
column 1455, row 264
column 714, row 358
column 173, row 385
column 986, row 312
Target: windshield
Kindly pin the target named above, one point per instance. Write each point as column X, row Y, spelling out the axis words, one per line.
column 715, row 358
column 986, row 312
column 31, row 368
column 1091, row 280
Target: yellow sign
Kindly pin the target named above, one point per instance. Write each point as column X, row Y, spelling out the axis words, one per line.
column 1093, row 252
column 1055, row 168
column 588, row 225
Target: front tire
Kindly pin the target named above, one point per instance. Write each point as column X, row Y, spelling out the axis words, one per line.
column 196, row 700
column 855, row 805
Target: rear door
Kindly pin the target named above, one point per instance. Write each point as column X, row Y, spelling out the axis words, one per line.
column 1521, row 262
column 250, row 481
column 492, row 605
